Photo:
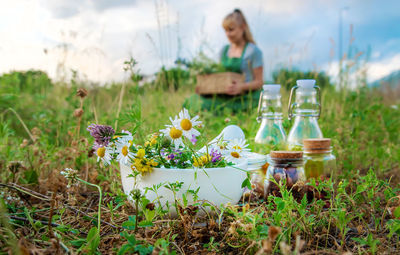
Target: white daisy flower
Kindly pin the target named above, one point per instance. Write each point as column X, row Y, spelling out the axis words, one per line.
column 187, row 124
column 124, row 155
column 236, row 151
column 174, row 134
column 238, row 144
column 104, row 154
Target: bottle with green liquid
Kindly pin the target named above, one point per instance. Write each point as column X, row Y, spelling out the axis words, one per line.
column 306, row 110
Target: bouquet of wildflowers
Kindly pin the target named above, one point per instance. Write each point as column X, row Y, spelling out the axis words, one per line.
column 171, row 147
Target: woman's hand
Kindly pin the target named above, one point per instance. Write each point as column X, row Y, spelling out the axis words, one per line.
column 235, row 88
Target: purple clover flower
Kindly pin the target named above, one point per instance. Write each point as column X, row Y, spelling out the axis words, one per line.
column 102, row 134
column 215, row 155
column 193, row 140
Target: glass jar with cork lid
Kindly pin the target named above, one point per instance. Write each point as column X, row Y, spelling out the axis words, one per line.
column 286, row 165
column 320, row 162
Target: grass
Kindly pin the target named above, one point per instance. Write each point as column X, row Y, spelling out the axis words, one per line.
column 359, row 212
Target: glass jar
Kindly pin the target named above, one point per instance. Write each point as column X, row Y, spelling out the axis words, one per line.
column 285, row 165
column 306, row 110
column 320, row 162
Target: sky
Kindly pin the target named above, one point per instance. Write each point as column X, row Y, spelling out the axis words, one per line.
column 95, row 37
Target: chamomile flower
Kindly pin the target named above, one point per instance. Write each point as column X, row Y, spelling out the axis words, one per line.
column 174, row 134
column 187, row 124
column 124, row 155
column 238, row 144
column 104, row 154
column 236, row 151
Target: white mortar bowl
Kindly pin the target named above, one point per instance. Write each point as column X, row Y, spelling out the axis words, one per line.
column 217, row 185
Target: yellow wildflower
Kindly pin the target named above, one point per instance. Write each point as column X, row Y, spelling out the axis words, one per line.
column 205, row 159
column 197, row 162
column 144, row 165
column 141, row 153
column 201, row 161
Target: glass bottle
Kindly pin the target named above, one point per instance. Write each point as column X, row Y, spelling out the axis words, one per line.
column 320, row 162
column 270, row 135
column 285, row 165
column 306, row 110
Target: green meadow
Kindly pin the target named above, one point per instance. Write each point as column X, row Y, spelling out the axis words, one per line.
column 42, row 132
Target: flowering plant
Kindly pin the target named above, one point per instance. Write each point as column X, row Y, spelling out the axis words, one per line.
column 171, row 147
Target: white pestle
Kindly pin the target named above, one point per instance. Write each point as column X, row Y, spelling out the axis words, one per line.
column 229, row 133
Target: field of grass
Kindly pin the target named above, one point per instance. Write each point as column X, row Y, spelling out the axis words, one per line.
column 42, row 133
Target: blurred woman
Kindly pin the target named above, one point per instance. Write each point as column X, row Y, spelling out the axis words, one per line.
column 242, row 56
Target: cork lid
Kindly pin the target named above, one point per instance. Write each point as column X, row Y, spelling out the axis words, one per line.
column 286, row 154
column 317, row 144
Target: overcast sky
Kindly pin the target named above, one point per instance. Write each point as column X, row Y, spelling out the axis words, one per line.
column 96, row 37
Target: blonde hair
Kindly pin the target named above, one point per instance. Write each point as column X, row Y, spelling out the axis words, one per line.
column 237, row 17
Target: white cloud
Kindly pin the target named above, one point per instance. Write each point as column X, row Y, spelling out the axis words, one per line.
column 374, row 70
column 382, row 68
column 94, row 44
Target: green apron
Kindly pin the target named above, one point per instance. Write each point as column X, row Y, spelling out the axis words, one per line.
column 232, row 64
column 217, row 103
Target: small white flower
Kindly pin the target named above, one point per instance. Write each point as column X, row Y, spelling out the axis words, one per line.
column 236, row 151
column 238, row 144
column 124, row 155
column 104, row 154
column 71, row 175
column 174, row 134
column 186, row 124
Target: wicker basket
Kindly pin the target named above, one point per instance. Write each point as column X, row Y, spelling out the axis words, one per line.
column 216, row 83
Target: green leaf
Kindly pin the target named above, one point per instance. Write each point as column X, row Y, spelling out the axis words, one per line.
column 246, row 183
column 185, row 201
column 396, row 212
column 145, row 224
column 93, row 239
column 78, row 243
column 124, row 249
column 130, row 224
column 144, row 250
column 91, row 234
column 149, row 214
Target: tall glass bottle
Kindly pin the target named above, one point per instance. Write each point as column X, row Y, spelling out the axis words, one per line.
column 270, row 135
column 306, row 109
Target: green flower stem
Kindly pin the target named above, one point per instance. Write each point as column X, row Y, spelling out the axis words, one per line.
column 191, row 149
column 100, row 198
